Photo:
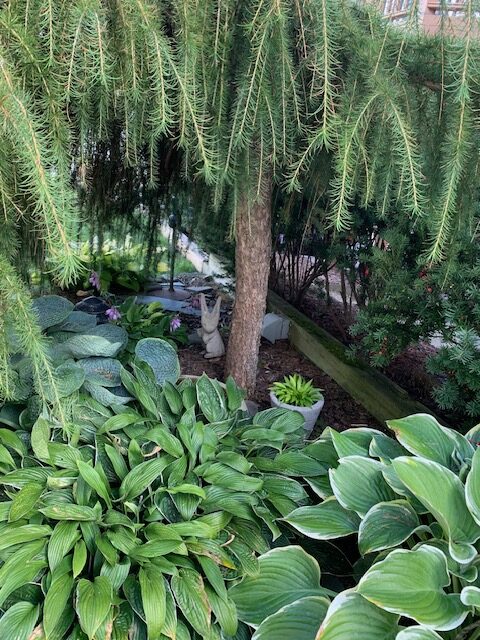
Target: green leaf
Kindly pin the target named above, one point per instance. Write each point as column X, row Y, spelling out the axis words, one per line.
column 69, row 511
column 79, row 558
column 117, row 573
column 470, row 597
column 93, row 603
column 12, row 441
column 189, row 592
column 441, row 491
column 300, row 620
column 225, row 612
column 152, row 587
column 102, row 371
column 118, row 462
column 291, row 463
column 19, row 573
column 25, row 533
column 472, row 487
column 173, row 397
column 161, row 357
column 324, row 521
column 417, row 633
column 51, row 310
column 24, row 501
column 19, row 621
column 62, row 540
column 56, row 600
column 95, row 481
column 235, row 394
column 223, row 476
column 40, row 438
column 352, row 617
column 210, row 400
column 163, row 438
column 122, row 420
column 141, row 477
column 358, row 484
column 410, row 583
column 69, row 378
column 285, row 575
column 387, row 525
column 105, row 340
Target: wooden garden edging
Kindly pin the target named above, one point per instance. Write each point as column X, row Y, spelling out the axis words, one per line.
column 380, row 396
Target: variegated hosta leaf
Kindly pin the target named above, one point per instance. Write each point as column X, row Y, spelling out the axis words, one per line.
column 387, row 525
column 472, row 487
column 423, row 436
column 351, row 616
column 470, row 597
column 441, row 491
column 324, row 521
column 411, row 584
column 358, row 484
column 285, row 574
column 299, row 620
column 418, row 633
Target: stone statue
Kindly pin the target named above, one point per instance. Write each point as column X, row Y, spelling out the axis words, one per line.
column 209, row 333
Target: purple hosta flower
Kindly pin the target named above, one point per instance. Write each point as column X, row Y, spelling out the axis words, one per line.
column 113, row 314
column 95, row 280
column 175, row 323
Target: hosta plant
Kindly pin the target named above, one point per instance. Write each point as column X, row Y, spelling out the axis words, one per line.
column 131, row 524
column 413, row 504
column 296, row 391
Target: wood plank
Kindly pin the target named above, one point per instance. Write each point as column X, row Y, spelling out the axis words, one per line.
column 380, row 396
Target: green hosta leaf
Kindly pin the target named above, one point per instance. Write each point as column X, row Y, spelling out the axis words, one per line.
column 40, row 438
column 152, row 587
column 19, row 621
column 352, row 617
column 24, row 501
column 210, row 400
column 163, row 438
column 62, row 540
column 440, row 490
column 141, row 477
column 472, row 487
column 71, row 512
column 410, row 583
column 102, row 371
column 117, row 574
column 324, row 521
column 51, row 310
column 292, row 463
column 79, row 558
column 225, row 612
column 235, row 395
column 387, row 525
column 105, row 340
column 25, row 533
column 423, row 436
column 93, row 478
column 300, row 620
column 285, row 575
column 107, row 397
column 385, row 448
column 5, row 457
column 93, row 602
column 121, row 421
column 470, row 597
column 173, row 397
column 19, row 573
column 56, row 600
column 189, row 592
column 223, row 476
column 358, row 484
column 417, row 633
column 346, row 446
column 161, row 357
column 12, row 441
column 118, row 462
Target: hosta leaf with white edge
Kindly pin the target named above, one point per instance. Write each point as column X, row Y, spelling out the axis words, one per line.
column 441, row 491
column 423, row 436
column 411, row 584
column 299, row 620
column 285, row 575
column 472, row 487
column 18, row 622
column 92, row 603
column 324, row 521
column 358, row 484
column 418, row 633
column 387, row 525
column 470, row 596
column 161, row 357
column 351, row 616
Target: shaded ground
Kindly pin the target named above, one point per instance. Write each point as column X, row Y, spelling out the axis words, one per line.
column 280, row 359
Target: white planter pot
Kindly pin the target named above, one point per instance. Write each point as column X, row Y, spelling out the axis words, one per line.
column 310, row 414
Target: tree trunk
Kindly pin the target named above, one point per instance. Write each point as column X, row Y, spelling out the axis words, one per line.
column 252, row 264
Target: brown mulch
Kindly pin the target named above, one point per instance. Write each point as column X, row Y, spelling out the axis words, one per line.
column 275, row 361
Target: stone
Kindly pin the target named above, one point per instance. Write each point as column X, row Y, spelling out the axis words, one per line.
column 214, row 347
column 275, row 327
column 95, row 306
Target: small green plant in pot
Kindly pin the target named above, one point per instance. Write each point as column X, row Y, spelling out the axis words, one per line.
column 300, row 395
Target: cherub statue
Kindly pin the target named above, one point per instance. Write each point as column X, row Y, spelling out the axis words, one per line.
column 209, row 333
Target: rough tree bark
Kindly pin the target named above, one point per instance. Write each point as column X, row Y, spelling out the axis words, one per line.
column 253, row 247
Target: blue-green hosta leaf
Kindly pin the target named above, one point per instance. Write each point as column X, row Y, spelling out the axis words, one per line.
column 472, row 487
column 352, row 617
column 76, row 322
column 300, row 620
column 470, row 596
column 324, row 521
column 161, row 357
column 108, row 397
column 102, row 371
column 418, row 633
column 358, row 484
column 441, row 491
column 385, row 448
column 19, row 621
column 423, row 436
column 51, row 310
column 387, row 525
column 411, row 584
column 70, row 377
column 105, row 340
column 92, row 603
column 346, row 446
column 189, row 591
column 285, row 575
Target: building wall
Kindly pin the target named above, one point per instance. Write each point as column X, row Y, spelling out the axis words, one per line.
column 431, row 13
